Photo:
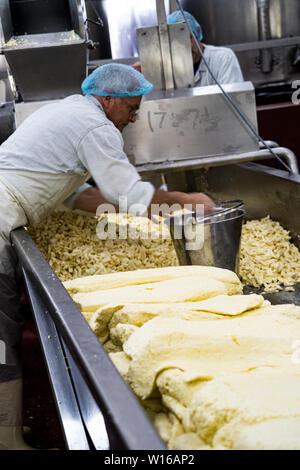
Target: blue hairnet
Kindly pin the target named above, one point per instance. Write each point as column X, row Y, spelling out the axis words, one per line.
column 116, row 80
column 177, row 17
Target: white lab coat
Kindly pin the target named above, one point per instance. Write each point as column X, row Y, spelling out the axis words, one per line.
column 223, row 63
column 25, row 198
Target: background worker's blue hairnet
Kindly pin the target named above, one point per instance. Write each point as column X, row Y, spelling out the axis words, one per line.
column 177, row 17
column 116, row 80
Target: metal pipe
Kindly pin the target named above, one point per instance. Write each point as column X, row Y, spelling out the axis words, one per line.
column 219, row 160
column 270, row 43
column 264, row 33
column 270, row 143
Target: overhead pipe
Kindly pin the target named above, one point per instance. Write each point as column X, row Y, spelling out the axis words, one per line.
column 264, row 34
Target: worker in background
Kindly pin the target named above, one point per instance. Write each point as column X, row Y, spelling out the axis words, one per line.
column 222, row 61
column 51, row 154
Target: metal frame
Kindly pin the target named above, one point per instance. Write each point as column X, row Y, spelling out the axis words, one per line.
column 127, row 425
column 268, row 44
column 219, row 160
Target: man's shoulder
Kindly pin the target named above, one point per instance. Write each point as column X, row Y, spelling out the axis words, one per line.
column 219, row 50
column 84, row 109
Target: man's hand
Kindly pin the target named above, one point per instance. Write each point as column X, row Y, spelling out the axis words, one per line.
column 201, row 198
column 167, row 199
column 89, row 200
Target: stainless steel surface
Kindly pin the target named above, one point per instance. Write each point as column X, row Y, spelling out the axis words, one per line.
column 150, row 56
column 164, row 42
column 47, row 65
column 90, row 411
column 264, row 33
column 243, row 28
column 179, row 61
column 265, row 191
column 219, row 160
column 270, row 43
column 63, row 392
column 191, row 123
column 182, row 61
column 281, row 297
column 212, row 240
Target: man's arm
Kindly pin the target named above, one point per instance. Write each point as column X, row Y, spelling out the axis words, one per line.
column 190, row 200
column 91, row 198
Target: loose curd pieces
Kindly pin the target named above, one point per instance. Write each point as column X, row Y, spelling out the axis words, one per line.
column 72, row 247
column 268, row 258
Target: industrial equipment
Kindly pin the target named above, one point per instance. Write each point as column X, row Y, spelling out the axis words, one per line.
column 265, row 37
column 180, row 131
column 47, row 57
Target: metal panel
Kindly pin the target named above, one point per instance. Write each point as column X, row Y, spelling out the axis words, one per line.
column 65, row 398
column 91, row 414
column 6, row 26
column 191, row 122
column 183, row 69
column 167, row 167
column 150, row 56
column 265, row 191
column 45, row 70
column 47, row 65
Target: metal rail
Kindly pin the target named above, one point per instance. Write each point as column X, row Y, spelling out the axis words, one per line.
column 268, row 44
column 126, row 422
column 219, row 160
column 63, row 392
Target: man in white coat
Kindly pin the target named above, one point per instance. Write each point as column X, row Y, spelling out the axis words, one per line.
column 51, row 154
column 222, row 61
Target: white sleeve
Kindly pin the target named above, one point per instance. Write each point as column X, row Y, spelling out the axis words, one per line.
column 101, row 152
column 230, row 71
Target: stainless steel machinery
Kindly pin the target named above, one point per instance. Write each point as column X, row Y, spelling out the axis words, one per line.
column 199, row 122
column 181, row 132
column 45, row 46
column 265, row 36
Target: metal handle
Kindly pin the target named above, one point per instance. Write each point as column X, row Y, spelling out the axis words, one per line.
column 237, row 204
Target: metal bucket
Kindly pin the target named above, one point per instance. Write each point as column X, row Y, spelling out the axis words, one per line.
column 212, row 240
